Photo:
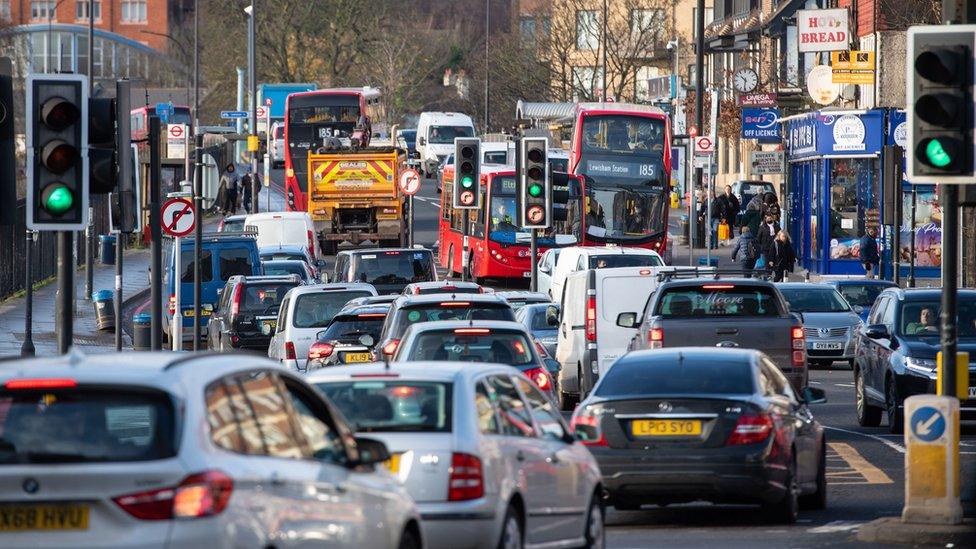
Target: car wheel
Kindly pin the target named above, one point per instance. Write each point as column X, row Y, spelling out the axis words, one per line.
column 595, row 533
column 896, row 421
column 867, row 415
column 787, row 509
column 511, row 530
column 409, row 540
column 567, row 401
column 818, row 499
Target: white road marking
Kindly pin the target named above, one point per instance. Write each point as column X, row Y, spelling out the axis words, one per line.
column 896, row 447
column 834, row 527
column 844, row 384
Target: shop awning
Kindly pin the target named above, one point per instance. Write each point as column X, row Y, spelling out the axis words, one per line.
column 781, row 16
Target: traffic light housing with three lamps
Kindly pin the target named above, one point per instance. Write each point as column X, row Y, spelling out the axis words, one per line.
column 940, row 104
column 467, row 173
column 534, row 190
column 57, row 152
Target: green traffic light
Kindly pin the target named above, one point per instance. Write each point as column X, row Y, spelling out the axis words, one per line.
column 57, row 199
column 535, row 190
column 936, row 154
column 467, row 181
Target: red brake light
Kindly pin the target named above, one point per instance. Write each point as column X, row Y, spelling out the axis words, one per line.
column 456, row 304
column 172, row 304
column 591, row 318
column 466, row 480
column 371, row 315
column 200, row 495
column 235, row 304
column 587, row 428
column 471, row 331
column 718, row 286
column 750, row 429
column 390, row 348
column 798, row 358
column 540, row 377
column 320, row 350
column 540, row 348
column 290, row 351
column 797, row 332
column 41, row 383
column 655, row 336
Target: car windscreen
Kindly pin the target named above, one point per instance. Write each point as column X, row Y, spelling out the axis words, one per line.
column 861, row 294
column 234, row 262
column 496, row 157
column 471, row 345
column 234, row 225
column 717, row 300
column 283, row 256
column 80, row 425
column 921, row 319
column 392, row 405
column 444, row 135
column 750, row 190
column 667, row 377
column 540, row 318
column 814, row 300
column 393, row 267
column 284, row 268
column 349, row 328
column 316, row 309
column 430, row 312
column 263, row 299
column 621, row 260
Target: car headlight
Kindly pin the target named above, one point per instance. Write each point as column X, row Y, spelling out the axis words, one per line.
column 922, row 366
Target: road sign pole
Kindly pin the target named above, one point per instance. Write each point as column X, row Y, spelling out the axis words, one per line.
column 156, row 230
column 410, row 222
column 177, row 331
column 950, row 273
column 119, row 254
column 66, row 290
column 197, row 234
column 27, row 349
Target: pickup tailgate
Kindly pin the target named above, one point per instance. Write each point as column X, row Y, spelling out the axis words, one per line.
column 769, row 335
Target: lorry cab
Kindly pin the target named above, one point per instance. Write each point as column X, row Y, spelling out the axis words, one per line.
column 436, row 132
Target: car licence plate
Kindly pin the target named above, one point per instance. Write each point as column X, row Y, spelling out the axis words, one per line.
column 393, row 464
column 972, row 392
column 357, row 357
column 16, row 518
column 827, row 346
column 666, row 427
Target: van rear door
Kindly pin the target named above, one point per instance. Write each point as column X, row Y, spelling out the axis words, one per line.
column 619, row 290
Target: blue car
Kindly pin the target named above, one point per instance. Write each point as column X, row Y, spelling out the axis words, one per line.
column 861, row 292
column 222, row 255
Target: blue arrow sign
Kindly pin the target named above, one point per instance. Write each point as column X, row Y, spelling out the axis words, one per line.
column 928, row 424
column 233, row 114
column 164, row 111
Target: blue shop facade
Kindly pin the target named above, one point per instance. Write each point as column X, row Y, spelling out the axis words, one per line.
column 834, row 193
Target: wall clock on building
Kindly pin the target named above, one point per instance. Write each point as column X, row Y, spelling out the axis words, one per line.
column 745, row 80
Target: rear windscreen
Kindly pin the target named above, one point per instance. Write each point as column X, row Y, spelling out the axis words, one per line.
column 349, row 328
column 613, row 261
column 264, row 299
column 83, row 425
column 861, row 294
column 688, row 376
column 393, row 405
column 316, row 310
column 435, row 311
column 510, row 348
column 284, row 269
column 394, row 267
column 718, row 300
column 234, row 262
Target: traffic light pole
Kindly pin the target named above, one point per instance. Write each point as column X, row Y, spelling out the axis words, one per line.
column 950, row 273
column 197, row 237
column 464, row 246
column 533, row 251
column 27, row 349
column 911, row 250
column 119, row 249
column 66, row 290
column 156, row 231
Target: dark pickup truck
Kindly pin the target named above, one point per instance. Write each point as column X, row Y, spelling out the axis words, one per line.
column 746, row 313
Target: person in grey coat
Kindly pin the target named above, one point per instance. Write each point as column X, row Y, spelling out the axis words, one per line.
column 746, row 251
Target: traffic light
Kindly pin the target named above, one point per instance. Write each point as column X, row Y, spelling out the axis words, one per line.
column 940, row 98
column 125, row 200
column 57, row 143
column 8, row 158
column 101, row 145
column 535, row 194
column 560, row 194
column 467, row 173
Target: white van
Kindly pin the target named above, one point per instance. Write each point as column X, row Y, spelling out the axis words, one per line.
column 589, row 340
column 285, row 229
column 580, row 258
column 435, row 137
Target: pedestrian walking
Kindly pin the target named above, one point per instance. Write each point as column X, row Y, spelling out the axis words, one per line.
column 767, row 236
column 783, row 258
column 753, row 217
column 746, row 251
column 870, row 258
column 732, row 207
column 246, row 190
column 771, row 207
column 230, row 182
column 717, row 213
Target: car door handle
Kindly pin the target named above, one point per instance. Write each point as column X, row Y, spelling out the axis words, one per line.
column 727, row 331
column 520, row 456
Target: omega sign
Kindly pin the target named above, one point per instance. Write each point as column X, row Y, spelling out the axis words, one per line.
column 822, row 30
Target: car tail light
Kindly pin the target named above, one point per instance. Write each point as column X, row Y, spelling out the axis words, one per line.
column 655, row 338
column 799, row 345
column 466, row 481
column 235, row 302
column 718, row 286
column 172, row 304
column 472, row 331
column 311, row 242
column 586, row 426
column 290, row 351
column 456, row 304
column 540, row 377
column 200, row 495
column 390, row 348
column 371, row 315
column 591, row 318
column 541, row 349
column 40, row 383
column 320, row 350
column 750, row 429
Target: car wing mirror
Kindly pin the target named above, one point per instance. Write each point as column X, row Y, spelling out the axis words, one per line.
column 552, row 316
column 421, row 141
column 320, row 335
column 877, row 331
column 544, row 268
column 371, row 451
column 627, row 320
column 814, row 395
column 858, row 309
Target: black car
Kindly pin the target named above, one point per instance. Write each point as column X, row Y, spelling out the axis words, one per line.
column 349, row 338
column 896, row 352
column 712, row 424
column 247, row 313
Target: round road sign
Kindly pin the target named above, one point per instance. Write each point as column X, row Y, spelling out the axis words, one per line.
column 409, row 182
column 178, row 218
column 535, row 214
column 176, row 131
column 466, row 198
column 704, row 145
column 267, row 101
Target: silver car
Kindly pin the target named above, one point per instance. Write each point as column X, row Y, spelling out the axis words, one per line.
column 486, row 456
column 829, row 321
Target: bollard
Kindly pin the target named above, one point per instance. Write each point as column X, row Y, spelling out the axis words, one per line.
column 708, row 262
column 675, row 201
column 107, row 247
column 932, row 460
column 104, row 303
column 142, row 332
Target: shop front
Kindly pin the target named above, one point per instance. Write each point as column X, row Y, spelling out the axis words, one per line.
column 833, row 186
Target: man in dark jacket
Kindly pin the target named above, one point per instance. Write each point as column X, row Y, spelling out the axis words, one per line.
column 768, row 230
column 732, row 206
column 870, row 258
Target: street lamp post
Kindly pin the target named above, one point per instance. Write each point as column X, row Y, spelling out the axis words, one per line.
column 252, row 75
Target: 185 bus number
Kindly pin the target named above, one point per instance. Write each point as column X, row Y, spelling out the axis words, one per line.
column 646, row 170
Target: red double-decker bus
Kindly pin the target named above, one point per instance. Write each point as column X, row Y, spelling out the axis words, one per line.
column 312, row 118
column 623, row 153
column 139, row 119
column 499, row 248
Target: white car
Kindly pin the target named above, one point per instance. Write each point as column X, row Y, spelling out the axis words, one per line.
column 544, row 271
column 277, row 144
column 186, row 450
column 285, row 229
column 305, row 311
column 580, row 258
column 486, row 456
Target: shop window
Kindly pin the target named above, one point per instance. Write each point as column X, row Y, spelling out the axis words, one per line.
column 927, row 227
column 853, row 204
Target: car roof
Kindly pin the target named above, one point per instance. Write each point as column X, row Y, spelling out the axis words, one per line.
column 278, row 215
column 677, row 354
column 445, row 325
column 523, row 294
column 439, row 283
column 283, row 262
column 913, row 294
column 421, row 370
column 378, row 250
column 283, row 248
column 268, row 279
column 861, row 282
column 236, row 217
column 331, row 287
column 695, row 282
column 802, row 285
column 364, row 309
column 424, row 299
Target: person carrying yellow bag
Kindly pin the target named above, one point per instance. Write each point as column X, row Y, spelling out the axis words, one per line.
column 724, row 233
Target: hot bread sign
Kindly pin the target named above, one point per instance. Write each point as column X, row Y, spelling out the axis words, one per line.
column 822, row 30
